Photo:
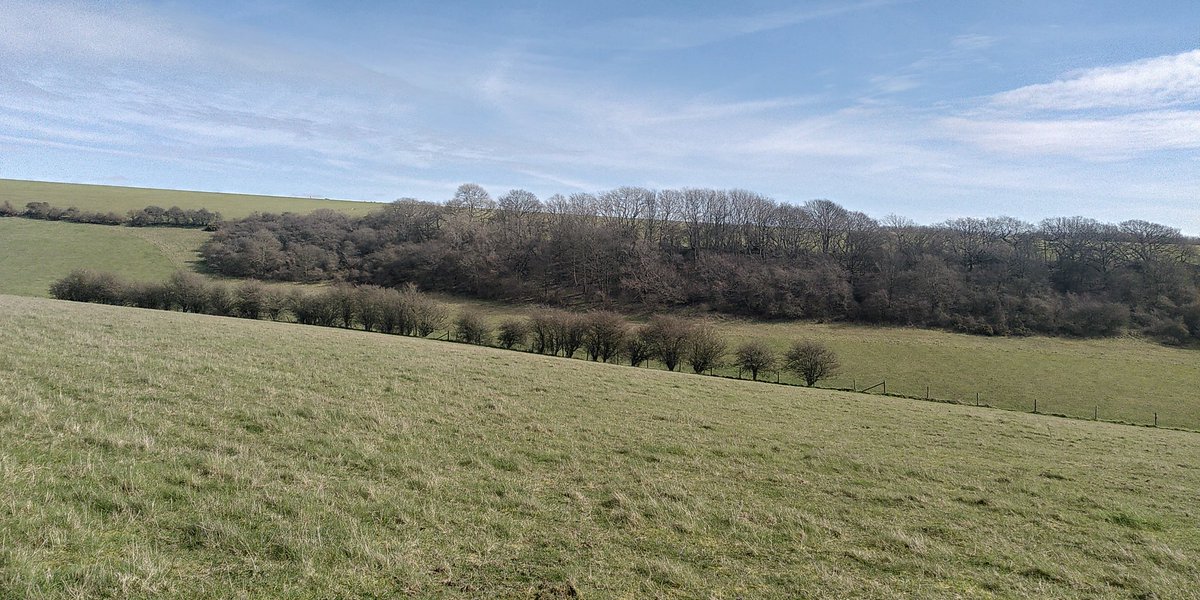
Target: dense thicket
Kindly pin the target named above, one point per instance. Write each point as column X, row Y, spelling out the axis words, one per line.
column 151, row 216
column 739, row 252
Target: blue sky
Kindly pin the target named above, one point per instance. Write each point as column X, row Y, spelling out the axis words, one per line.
column 931, row 110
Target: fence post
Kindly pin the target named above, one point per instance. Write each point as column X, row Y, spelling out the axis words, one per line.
column 854, row 384
column 1096, row 413
column 884, row 387
column 976, row 398
column 1156, row 419
column 927, row 391
column 1035, row 405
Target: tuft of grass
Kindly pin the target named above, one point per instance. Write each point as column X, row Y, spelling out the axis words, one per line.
column 152, row 454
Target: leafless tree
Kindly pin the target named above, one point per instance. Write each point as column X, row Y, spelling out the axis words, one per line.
column 705, row 348
column 755, row 357
column 811, row 361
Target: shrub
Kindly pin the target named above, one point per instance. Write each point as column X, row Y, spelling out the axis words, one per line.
column 343, row 301
column 705, row 348
column 603, row 335
column 189, row 292
column 1090, row 318
column 250, row 300
column 811, row 361
column 512, row 332
column 220, row 301
column 755, row 357
column 472, row 328
column 83, row 285
column 541, row 330
column 7, row 210
column 637, row 349
column 148, row 295
column 668, row 339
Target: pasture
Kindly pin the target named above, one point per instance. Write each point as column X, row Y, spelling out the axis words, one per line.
column 158, row 454
column 1123, row 379
column 104, row 198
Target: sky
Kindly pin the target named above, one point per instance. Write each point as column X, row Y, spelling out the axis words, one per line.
column 928, row 109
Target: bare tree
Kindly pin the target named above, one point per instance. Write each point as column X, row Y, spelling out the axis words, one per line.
column 705, row 348
column 604, row 334
column 637, row 348
column 471, row 327
column 472, row 200
column 811, row 361
column 668, row 338
column 512, row 332
column 756, row 357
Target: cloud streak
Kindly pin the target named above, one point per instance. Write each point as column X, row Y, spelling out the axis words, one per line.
column 1154, row 83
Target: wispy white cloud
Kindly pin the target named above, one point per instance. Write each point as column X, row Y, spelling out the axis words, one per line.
column 1153, row 83
column 1097, row 138
column 656, row 33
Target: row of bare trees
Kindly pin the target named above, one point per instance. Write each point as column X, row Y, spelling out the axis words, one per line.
column 674, row 342
column 602, row 336
column 404, row 312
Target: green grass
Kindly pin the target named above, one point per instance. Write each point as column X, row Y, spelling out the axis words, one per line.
column 1120, row 379
column 1117, row 379
column 105, row 198
column 35, row 253
column 156, row 454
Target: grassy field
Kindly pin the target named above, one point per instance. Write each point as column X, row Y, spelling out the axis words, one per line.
column 35, row 253
column 1123, row 379
column 156, row 454
column 104, row 198
column 1117, row 379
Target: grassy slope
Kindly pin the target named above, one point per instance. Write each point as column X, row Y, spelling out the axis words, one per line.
column 104, row 198
column 1123, row 379
column 35, row 253
column 168, row 455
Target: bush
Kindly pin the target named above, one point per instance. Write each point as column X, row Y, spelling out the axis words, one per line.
column 512, row 332
column 83, row 285
column 541, row 330
column 705, row 348
column 221, row 301
column 250, row 300
column 343, row 301
column 603, row 335
column 313, row 309
column 667, row 338
column 755, row 357
column 811, row 361
column 637, row 348
column 472, row 328
column 189, row 292
column 1090, row 318
column 148, row 295
column 7, row 210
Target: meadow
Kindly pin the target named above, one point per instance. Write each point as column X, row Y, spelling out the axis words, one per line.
column 105, row 198
column 1125, row 379
column 159, row 454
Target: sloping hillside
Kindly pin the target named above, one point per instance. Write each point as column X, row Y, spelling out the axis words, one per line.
column 155, row 454
column 104, row 198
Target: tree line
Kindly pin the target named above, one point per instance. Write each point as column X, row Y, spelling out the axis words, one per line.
column 151, row 216
column 739, row 252
column 598, row 335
